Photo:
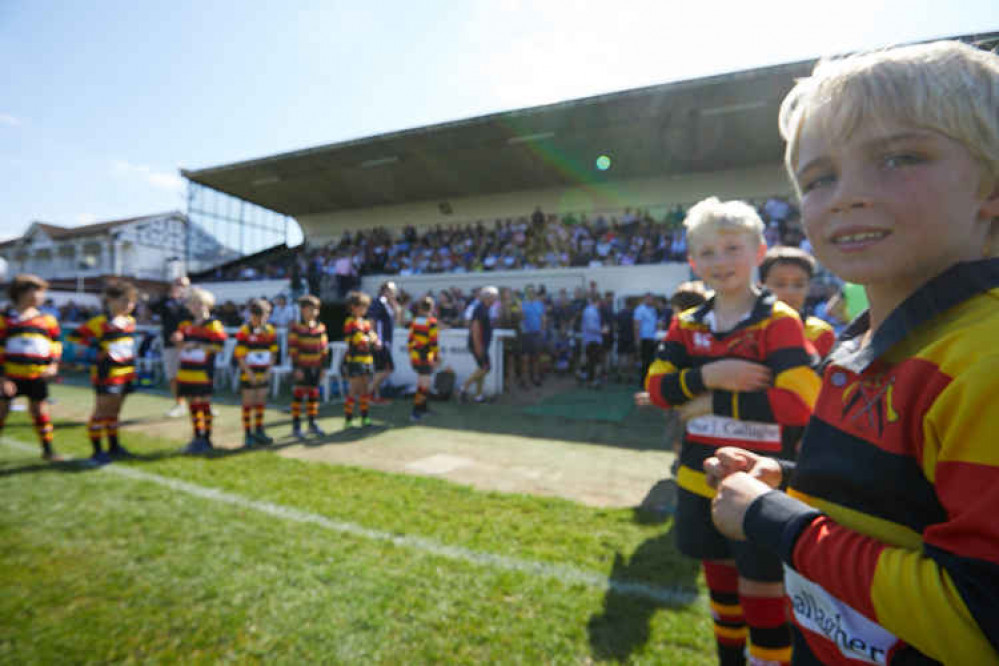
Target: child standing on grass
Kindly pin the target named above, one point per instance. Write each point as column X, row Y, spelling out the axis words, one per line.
column 308, row 347
column 737, row 370
column 361, row 344
column 201, row 338
column 256, row 349
column 112, row 335
column 888, row 529
column 787, row 272
column 29, row 355
column 424, row 354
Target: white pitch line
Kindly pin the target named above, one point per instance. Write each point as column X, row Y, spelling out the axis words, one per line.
column 676, row 596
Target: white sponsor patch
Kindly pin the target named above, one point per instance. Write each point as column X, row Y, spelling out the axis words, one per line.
column 29, row 345
column 193, row 355
column 258, row 358
column 723, row 427
column 122, row 350
column 853, row 634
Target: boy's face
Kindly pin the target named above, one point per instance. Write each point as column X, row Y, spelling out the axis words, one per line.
column 789, row 283
column 33, row 298
column 891, row 205
column 725, row 260
column 121, row 306
column 308, row 313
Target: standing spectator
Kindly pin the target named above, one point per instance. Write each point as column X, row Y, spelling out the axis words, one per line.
column 624, row 322
column 382, row 314
column 172, row 311
column 606, row 306
column 592, row 331
column 532, row 327
column 645, row 321
column 343, row 269
column 284, row 312
column 480, row 334
column 297, row 283
column 314, row 276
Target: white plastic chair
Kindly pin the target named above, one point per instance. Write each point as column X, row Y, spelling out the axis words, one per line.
column 223, row 361
column 337, row 351
column 282, row 369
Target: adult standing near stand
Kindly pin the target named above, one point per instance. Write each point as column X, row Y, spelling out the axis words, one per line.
column 645, row 320
column 172, row 311
column 382, row 313
column 480, row 334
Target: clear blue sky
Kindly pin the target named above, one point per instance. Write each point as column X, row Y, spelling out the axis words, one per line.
column 101, row 102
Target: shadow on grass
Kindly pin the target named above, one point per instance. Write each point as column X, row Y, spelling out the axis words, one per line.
column 623, row 625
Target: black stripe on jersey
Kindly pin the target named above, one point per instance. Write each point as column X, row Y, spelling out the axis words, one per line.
column 787, row 358
column 753, row 405
column 881, row 484
column 15, row 330
column 770, row 637
column 16, row 359
column 978, row 583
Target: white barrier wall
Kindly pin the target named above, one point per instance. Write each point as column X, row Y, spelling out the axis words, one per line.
column 455, row 355
column 240, row 291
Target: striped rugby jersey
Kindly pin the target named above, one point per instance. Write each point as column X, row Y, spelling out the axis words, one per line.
column 820, row 335
column 308, row 346
column 202, row 341
column 772, row 334
column 258, row 346
column 422, row 344
column 890, row 526
column 361, row 338
column 114, row 340
column 28, row 344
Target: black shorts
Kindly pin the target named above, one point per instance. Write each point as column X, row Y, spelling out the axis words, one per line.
column 254, row 380
column 482, row 361
column 195, row 390
column 114, row 389
column 310, row 377
column 697, row 537
column 531, row 343
column 383, row 359
column 423, row 368
column 34, row 390
column 355, row 369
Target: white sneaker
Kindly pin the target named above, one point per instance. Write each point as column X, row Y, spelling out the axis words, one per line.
column 176, row 411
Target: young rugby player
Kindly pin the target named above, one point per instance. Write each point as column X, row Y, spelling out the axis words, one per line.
column 29, row 355
column 738, row 370
column 112, row 334
column 202, row 338
column 308, row 348
column 889, row 530
column 424, row 353
column 256, row 349
column 361, row 344
column 787, row 272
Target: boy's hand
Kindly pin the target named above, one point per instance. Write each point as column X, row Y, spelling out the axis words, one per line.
column 642, row 399
column 728, row 460
column 728, row 508
column 699, row 406
column 732, row 374
column 9, row 388
column 298, row 375
column 50, row 371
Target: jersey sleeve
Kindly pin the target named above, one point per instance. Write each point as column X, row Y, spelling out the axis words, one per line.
column 792, row 397
column 55, row 349
column 953, row 580
column 432, row 337
column 217, row 336
column 275, row 348
column 671, row 381
column 242, row 335
column 86, row 333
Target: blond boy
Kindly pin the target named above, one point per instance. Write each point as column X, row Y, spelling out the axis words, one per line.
column 889, row 528
column 737, row 369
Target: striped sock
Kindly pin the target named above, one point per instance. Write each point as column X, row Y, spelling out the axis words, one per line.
column 197, row 422
column 365, row 400
column 111, row 427
column 43, row 426
column 206, row 414
column 258, row 417
column 348, row 408
column 313, row 408
column 95, row 428
column 729, row 622
column 769, row 629
column 246, row 418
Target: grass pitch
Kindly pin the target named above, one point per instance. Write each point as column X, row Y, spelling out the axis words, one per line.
column 251, row 557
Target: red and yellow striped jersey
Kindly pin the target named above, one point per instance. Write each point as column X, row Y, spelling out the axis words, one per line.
column 820, row 335
column 258, row 346
column 422, row 343
column 308, row 345
column 114, row 340
column 202, row 341
column 28, row 344
column 361, row 340
column 901, row 560
column 772, row 334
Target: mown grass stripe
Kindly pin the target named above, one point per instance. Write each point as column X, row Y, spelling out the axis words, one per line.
column 674, row 597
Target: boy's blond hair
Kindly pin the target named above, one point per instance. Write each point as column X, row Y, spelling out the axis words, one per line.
column 199, row 296
column 712, row 216
column 948, row 87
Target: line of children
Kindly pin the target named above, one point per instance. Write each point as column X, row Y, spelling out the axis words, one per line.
column 30, row 351
column 255, row 353
column 200, row 338
column 308, row 347
column 888, row 528
column 362, row 340
column 738, row 370
column 424, row 354
column 112, row 335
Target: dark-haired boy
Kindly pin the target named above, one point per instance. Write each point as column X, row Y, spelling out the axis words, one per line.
column 29, row 355
column 788, row 272
column 308, row 347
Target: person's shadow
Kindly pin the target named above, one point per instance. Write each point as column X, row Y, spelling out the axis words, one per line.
column 655, row 577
